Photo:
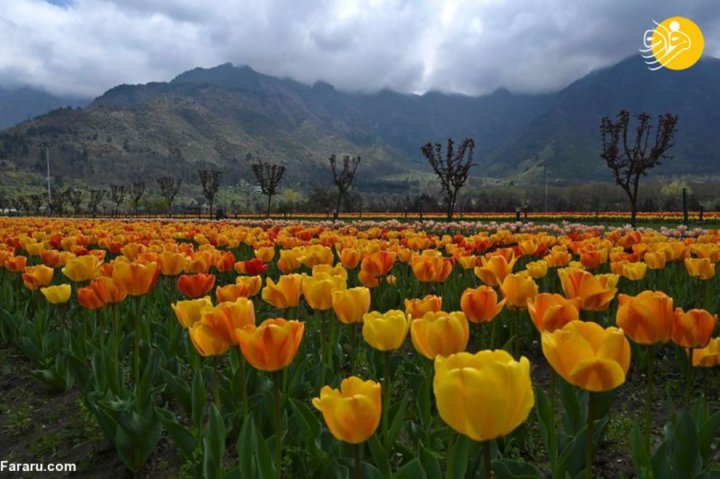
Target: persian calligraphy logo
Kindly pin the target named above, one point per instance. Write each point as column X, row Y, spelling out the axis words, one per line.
column 675, row 43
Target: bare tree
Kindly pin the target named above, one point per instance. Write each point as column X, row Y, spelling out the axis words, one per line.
column 169, row 188
column 57, row 203
column 452, row 168
column 22, row 203
column 96, row 196
column 210, row 180
column 75, row 198
column 137, row 190
column 117, row 195
column 629, row 158
column 36, row 202
column 268, row 176
column 343, row 177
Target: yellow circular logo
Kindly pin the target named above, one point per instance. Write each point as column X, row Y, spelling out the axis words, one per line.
column 675, row 43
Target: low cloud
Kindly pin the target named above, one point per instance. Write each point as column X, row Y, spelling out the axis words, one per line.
column 84, row 47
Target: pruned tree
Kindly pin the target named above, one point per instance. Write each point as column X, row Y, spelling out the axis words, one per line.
column 268, row 176
column 210, row 181
column 169, row 189
column 57, row 203
column 96, row 196
column 75, row 198
column 36, row 202
column 137, row 190
column 117, row 196
column 343, row 176
column 631, row 158
column 452, row 169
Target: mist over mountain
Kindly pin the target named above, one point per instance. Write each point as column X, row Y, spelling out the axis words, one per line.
column 216, row 117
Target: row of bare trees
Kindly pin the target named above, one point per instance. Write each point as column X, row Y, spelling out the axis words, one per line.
column 629, row 152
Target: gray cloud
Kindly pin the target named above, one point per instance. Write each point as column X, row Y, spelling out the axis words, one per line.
column 84, row 47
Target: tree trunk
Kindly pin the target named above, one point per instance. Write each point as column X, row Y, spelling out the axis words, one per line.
column 337, row 207
column 267, row 214
column 211, row 209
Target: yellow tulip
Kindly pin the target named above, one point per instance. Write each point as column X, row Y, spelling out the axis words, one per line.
column 588, row 356
column 189, row 312
column 490, row 379
column 318, row 289
column 285, row 293
column 494, row 269
column 37, row 276
column 634, row 271
column 386, row 331
column 537, row 269
column 353, row 412
column 700, row 268
column 440, row 333
column 708, row 356
column 82, row 268
column 351, row 304
column 57, row 294
column 517, row 289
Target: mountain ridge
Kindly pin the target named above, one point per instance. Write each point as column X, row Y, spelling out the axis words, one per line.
column 215, row 117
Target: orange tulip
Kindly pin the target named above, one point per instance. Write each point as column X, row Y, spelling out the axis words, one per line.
column 253, row 284
column 37, row 276
column 494, row 269
column 350, row 258
column 646, row 318
column 51, row 257
column 15, row 264
column 693, row 329
column 440, row 333
column 135, row 278
column 376, row 266
column 231, row 292
column 596, row 292
column 480, row 305
column 271, row 346
column 195, row 285
column 552, row 311
column 417, row 308
column 224, row 262
column 286, row 293
column 429, row 268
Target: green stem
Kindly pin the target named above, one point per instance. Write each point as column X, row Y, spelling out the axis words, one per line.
column 487, row 460
column 216, row 381
column 353, row 348
column 516, row 334
column 323, row 348
column 358, row 463
column 116, row 335
column 243, row 380
column 493, row 330
column 136, row 351
column 449, row 453
column 386, row 398
column 649, row 398
column 277, row 379
column 589, row 435
column 690, row 378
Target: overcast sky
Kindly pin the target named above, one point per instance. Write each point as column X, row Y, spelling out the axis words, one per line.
column 84, row 47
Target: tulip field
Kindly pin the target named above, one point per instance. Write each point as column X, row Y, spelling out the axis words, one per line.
column 374, row 349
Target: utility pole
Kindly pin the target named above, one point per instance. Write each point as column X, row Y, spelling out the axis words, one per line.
column 546, row 186
column 47, row 161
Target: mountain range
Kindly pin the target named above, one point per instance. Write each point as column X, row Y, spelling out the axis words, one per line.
column 216, row 117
